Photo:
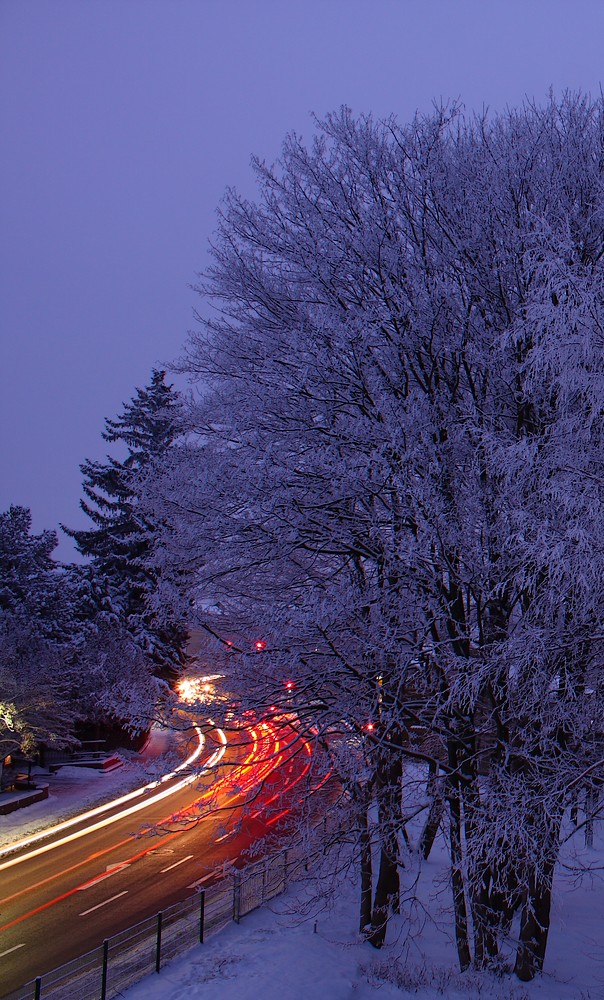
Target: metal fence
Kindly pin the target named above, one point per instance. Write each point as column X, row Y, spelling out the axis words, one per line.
column 124, row 959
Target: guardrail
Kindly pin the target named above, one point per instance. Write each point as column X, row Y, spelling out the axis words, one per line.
column 127, row 957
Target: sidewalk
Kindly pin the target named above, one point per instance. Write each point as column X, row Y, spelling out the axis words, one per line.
column 72, row 790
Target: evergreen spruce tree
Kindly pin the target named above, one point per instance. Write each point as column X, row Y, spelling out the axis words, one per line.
column 121, row 543
column 36, row 665
column 29, row 581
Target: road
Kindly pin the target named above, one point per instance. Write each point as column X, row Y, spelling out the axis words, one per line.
column 61, row 897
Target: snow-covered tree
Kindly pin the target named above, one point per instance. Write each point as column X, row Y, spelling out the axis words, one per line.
column 29, row 582
column 398, row 480
column 35, row 689
column 65, row 659
column 122, row 541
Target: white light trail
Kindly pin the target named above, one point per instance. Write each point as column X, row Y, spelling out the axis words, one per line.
column 213, row 760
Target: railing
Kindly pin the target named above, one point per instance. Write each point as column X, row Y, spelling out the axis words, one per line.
column 124, row 959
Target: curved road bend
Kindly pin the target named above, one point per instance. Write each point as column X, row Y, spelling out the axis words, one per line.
column 63, row 902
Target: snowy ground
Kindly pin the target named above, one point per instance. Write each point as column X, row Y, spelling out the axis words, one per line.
column 299, row 951
column 277, row 954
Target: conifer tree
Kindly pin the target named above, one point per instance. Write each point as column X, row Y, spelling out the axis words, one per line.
column 121, row 542
column 35, row 703
column 66, row 658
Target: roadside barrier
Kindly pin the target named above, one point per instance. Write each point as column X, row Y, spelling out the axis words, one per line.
column 127, row 957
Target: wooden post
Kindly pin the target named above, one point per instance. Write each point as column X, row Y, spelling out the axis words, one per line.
column 38, row 992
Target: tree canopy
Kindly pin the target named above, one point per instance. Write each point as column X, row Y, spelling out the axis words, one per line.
column 121, row 541
column 398, row 474
column 64, row 656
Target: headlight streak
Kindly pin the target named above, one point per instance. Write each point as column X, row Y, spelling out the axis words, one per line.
column 292, row 784
column 254, row 774
column 212, row 761
column 324, row 780
column 211, row 792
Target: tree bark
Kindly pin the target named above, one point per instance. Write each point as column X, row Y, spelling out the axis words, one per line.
column 592, row 795
column 386, row 896
column 366, row 872
column 457, row 882
column 488, row 917
column 534, row 926
column 435, row 814
column 388, row 788
column 535, row 920
column 457, row 878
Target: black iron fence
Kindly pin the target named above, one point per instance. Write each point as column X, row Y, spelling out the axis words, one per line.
column 124, row 959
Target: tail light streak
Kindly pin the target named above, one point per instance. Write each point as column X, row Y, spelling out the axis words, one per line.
column 245, row 777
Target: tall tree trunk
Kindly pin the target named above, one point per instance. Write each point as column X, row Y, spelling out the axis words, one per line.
column 435, row 791
column 457, row 879
column 534, row 925
column 535, row 919
column 386, row 895
column 366, row 871
column 457, row 882
column 388, row 788
column 487, row 904
column 488, row 916
column 592, row 795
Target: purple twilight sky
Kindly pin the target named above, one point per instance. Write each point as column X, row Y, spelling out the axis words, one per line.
column 122, row 122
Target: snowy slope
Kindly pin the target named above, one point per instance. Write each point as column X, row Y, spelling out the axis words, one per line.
column 293, row 951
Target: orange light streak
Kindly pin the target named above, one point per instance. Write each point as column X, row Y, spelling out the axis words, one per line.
column 245, row 777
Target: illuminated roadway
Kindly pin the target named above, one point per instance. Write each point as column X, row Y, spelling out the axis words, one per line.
column 61, row 895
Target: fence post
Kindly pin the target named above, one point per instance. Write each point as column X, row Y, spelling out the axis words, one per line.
column 38, row 992
column 264, row 880
column 202, row 913
column 284, row 870
column 158, row 942
column 236, row 897
column 104, row 969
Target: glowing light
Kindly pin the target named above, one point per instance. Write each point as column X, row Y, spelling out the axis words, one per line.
column 187, row 690
column 193, row 689
column 260, row 645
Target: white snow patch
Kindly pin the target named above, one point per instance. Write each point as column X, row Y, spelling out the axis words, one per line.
column 277, row 954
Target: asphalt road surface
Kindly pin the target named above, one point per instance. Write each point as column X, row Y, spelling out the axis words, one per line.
column 61, row 901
